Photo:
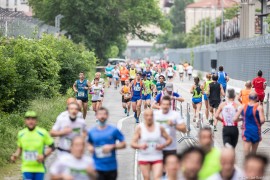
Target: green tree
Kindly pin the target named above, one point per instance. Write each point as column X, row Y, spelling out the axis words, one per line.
column 100, row 23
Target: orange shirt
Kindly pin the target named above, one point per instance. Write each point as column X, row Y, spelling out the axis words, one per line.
column 244, row 96
column 124, row 74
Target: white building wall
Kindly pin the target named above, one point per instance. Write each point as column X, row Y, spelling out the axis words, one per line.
column 19, row 5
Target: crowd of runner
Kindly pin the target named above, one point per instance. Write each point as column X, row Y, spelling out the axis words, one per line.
column 147, row 90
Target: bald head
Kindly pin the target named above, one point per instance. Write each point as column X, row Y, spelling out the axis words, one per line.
column 148, row 116
column 253, row 97
column 71, row 100
column 227, row 161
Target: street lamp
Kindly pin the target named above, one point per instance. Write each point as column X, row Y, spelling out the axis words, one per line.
column 57, row 21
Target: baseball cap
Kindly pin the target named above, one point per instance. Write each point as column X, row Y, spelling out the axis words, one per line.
column 31, row 114
column 169, row 87
column 161, row 76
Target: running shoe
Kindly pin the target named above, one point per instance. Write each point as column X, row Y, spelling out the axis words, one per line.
column 127, row 113
column 215, row 128
column 211, row 121
column 137, row 120
column 135, row 115
column 125, row 110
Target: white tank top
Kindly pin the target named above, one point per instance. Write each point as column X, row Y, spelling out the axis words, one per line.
column 151, row 139
column 228, row 113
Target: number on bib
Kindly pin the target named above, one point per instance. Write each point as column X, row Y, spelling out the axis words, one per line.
column 80, row 94
column 67, row 143
column 100, row 154
column 30, row 155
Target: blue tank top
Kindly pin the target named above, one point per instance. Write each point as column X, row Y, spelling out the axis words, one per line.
column 82, row 93
column 160, row 86
column 250, row 123
column 108, row 70
column 222, row 78
column 137, row 89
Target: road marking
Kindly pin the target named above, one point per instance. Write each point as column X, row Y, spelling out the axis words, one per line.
column 120, row 122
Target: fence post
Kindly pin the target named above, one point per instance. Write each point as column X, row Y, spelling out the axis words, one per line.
column 188, row 117
column 200, row 122
column 267, row 107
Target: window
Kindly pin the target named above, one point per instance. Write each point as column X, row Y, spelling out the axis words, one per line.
column 15, row 2
column 7, row 3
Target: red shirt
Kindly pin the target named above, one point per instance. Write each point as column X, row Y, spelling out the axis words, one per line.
column 258, row 84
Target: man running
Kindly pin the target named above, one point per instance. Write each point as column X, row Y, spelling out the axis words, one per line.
column 170, row 72
column 255, row 166
column 148, row 73
column 253, row 118
column 100, row 79
column 244, row 94
column 81, row 88
column 149, row 87
column 228, row 110
column 172, row 167
column 76, row 165
column 181, row 72
column 259, row 84
column 65, row 113
column 189, row 71
column 160, row 84
column 132, row 72
column 223, row 78
column 137, row 87
column 32, row 142
column 147, row 139
column 67, row 128
column 102, row 143
column 108, row 72
column 171, row 121
column 215, row 91
column 126, row 97
column 124, row 74
column 96, row 91
column 168, row 91
column 116, row 74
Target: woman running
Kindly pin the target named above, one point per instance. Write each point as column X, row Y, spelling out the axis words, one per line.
column 205, row 95
column 96, row 91
column 228, row 110
column 116, row 74
column 197, row 91
column 108, row 72
column 148, row 140
column 126, row 97
column 253, row 118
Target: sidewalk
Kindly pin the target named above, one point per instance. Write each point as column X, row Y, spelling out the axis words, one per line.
column 264, row 147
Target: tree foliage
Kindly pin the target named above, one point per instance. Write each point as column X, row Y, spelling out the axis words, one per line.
column 101, row 24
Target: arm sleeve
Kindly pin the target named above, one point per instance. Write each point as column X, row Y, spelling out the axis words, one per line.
column 119, row 136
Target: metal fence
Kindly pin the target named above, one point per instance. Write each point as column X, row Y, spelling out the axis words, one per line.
column 13, row 24
column 240, row 58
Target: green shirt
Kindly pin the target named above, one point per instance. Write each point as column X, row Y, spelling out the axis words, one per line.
column 33, row 143
column 148, row 84
column 211, row 164
column 207, row 82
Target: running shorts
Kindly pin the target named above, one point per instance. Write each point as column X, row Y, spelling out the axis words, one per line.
column 224, row 89
column 33, row 175
column 261, row 98
column 104, row 175
column 250, row 136
column 94, row 101
column 214, row 103
column 135, row 98
column 196, row 100
column 116, row 78
column 109, row 75
column 205, row 97
column 122, row 83
column 149, row 162
column 147, row 97
column 170, row 77
column 84, row 100
column 131, row 79
column 125, row 100
column 230, row 135
column 181, row 73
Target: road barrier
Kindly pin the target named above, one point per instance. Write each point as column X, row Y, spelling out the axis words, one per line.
column 200, row 121
column 187, row 135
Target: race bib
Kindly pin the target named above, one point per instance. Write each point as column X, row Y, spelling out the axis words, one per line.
column 80, row 94
column 100, row 154
column 96, row 91
column 127, row 95
column 30, row 155
column 109, row 72
column 151, row 146
column 67, row 143
column 137, row 88
column 123, row 76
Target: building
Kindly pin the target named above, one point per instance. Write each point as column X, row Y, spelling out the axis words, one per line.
column 197, row 11
column 16, row 5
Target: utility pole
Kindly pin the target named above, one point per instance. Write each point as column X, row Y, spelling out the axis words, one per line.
column 57, row 21
column 205, row 26
column 201, row 27
column 215, row 9
column 222, row 20
column 210, row 25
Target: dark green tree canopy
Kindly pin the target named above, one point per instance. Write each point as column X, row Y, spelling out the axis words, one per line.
column 101, row 24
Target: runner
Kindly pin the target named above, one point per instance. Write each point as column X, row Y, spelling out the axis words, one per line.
column 156, row 76
column 215, row 91
column 223, row 78
column 148, row 73
column 108, row 72
column 192, row 162
column 102, row 143
column 81, row 88
column 189, row 71
column 116, row 74
column 181, row 72
column 228, row 110
column 146, row 93
column 138, row 66
column 100, row 80
column 168, row 91
column 244, row 94
column 132, row 72
column 205, row 95
column 259, row 84
column 65, row 113
column 137, row 87
column 31, row 144
column 126, row 97
column 185, row 68
column 228, row 170
column 161, row 84
column 124, row 74
column 172, row 166
column 197, row 91
column 211, row 164
column 253, row 118
column 171, row 121
column 170, row 72
column 67, row 128
column 76, row 165
column 147, row 139
column 255, row 166
column 96, row 91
